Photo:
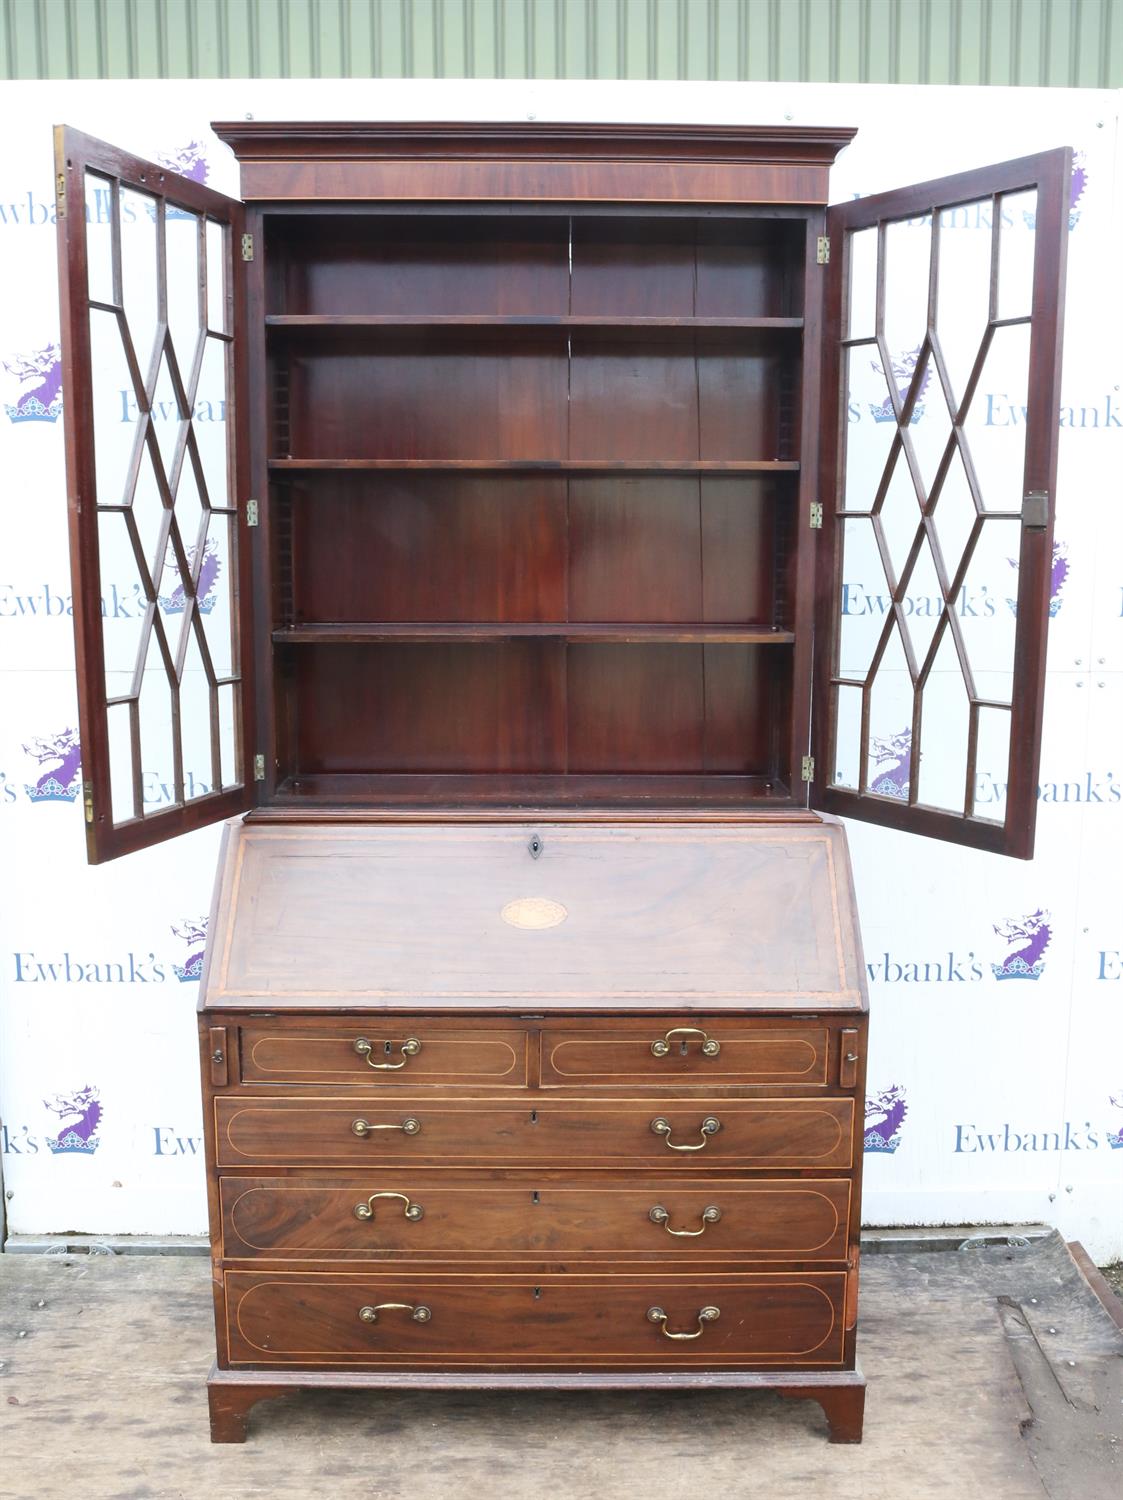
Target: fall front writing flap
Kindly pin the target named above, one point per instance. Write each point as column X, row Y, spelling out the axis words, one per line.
column 525, row 916
column 150, row 303
column 941, row 407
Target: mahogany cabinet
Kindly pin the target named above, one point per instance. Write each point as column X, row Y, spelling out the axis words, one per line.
column 495, row 492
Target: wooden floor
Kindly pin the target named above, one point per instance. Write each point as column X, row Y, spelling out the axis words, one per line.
column 104, row 1361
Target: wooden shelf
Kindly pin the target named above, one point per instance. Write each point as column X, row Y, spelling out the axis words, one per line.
column 328, row 321
column 540, row 465
column 466, row 633
column 451, row 789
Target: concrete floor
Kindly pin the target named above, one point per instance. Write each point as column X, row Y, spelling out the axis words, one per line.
column 970, row 1395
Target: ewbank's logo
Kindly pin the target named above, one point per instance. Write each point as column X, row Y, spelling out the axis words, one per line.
column 903, row 368
column 41, row 372
column 193, row 932
column 175, row 602
column 189, row 161
column 1077, row 184
column 82, row 1112
column 1058, row 576
column 1027, row 938
column 62, row 756
column 885, row 1115
column 1115, row 1137
column 892, row 765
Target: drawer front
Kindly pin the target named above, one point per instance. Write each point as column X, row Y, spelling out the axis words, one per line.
column 656, row 1132
column 402, row 1214
column 376, row 1053
column 517, row 1321
column 683, row 1053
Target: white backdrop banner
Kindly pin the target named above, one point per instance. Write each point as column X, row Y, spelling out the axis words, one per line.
column 996, row 1063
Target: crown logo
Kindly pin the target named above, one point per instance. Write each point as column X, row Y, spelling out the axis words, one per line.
column 42, row 401
column 1027, row 937
column 79, row 1137
column 885, row 1115
column 1077, row 184
column 205, row 596
column 62, row 756
column 193, row 932
column 70, row 1142
column 903, row 368
column 188, row 161
column 1057, row 578
column 894, row 754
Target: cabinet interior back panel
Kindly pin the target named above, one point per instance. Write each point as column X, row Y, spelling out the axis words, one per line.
column 421, row 267
column 535, row 707
column 505, row 547
column 638, row 267
column 479, row 398
column 502, row 265
column 455, row 547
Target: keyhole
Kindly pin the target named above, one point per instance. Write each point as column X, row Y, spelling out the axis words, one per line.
column 537, row 1293
column 534, row 1197
column 682, row 1049
column 535, row 846
column 386, row 1048
column 534, row 1117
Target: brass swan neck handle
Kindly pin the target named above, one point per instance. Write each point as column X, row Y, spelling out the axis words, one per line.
column 705, row 1315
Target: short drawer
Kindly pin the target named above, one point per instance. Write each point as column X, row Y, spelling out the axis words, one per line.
column 675, row 1053
column 375, row 1053
column 410, row 1319
column 416, row 1215
column 673, row 1134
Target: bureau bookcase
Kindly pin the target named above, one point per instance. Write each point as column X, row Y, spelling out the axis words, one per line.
column 533, row 1022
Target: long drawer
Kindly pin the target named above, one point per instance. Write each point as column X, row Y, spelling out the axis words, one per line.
column 583, row 1133
column 415, row 1320
column 404, row 1213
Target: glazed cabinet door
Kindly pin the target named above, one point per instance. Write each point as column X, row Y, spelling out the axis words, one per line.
column 152, row 376
column 942, row 388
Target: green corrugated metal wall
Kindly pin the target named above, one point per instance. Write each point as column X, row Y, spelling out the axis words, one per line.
column 1066, row 43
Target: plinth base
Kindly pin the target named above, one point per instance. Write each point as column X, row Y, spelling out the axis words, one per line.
column 233, row 1393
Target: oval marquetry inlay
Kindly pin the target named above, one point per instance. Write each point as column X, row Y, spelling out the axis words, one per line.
column 533, row 913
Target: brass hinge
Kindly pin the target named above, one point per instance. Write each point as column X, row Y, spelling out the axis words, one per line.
column 823, row 250
column 1035, row 510
column 88, row 800
column 259, row 768
column 60, row 195
column 247, row 247
column 816, row 515
column 252, row 513
column 807, row 768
